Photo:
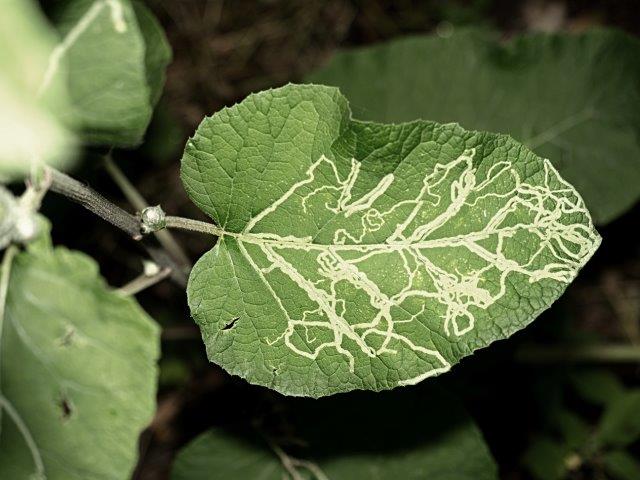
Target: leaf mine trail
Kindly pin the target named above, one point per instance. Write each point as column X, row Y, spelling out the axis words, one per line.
column 436, row 251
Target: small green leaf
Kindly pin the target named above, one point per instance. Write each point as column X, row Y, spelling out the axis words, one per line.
column 620, row 423
column 356, row 255
column 348, row 445
column 546, row 459
column 621, row 465
column 30, row 129
column 77, row 371
column 571, row 98
column 574, row 430
column 599, row 387
column 116, row 54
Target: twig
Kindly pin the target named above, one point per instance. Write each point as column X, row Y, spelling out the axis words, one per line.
column 94, row 202
column 129, row 191
column 579, row 354
column 162, row 258
column 130, row 224
column 291, row 464
column 166, row 239
column 144, row 281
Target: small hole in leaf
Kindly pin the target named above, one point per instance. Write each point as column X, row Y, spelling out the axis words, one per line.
column 66, row 408
column 231, row 324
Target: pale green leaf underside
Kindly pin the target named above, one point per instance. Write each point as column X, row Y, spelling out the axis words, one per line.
column 574, row 99
column 78, row 365
column 30, row 130
column 115, row 53
column 365, row 256
column 369, row 446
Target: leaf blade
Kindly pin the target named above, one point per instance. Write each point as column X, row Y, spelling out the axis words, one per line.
column 552, row 92
column 78, row 365
column 383, row 260
column 450, row 448
column 114, row 73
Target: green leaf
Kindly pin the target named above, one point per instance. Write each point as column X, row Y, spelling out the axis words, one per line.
column 356, row 255
column 574, row 429
column 574, row 99
column 621, row 465
column 116, row 56
column 445, row 447
column 620, row 423
column 157, row 50
column 599, row 387
column 546, row 459
column 78, row 371
column 30, row 130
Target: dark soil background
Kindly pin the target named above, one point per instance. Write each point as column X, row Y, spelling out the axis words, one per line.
column 225, row 50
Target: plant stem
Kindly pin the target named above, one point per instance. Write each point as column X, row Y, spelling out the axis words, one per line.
column 5, row 404
column 144, row 281
column 130, row 192
column 26, row 434
column 194, row 225
column 607, row 353
column 166, row 239
column 94, row 202
column 162, row 258
column 5, row 276
column 130, row 224
column 7, row 262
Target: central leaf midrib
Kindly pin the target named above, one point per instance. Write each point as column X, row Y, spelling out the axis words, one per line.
column 303, row 243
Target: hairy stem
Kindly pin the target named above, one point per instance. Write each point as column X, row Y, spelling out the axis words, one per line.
column 130, row 224
column 166, row 239
column 194, row 225
column 94, row 202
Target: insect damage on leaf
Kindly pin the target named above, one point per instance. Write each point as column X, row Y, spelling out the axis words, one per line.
column 552, row 92
column 365, row 255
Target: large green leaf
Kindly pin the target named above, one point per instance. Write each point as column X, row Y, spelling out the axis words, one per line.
column 115, row 55
column 355, row 255
column 30, row 130
column 620, row 423
column 157, row 50
column 78, row 371
column 574, row 99
column 359, row 436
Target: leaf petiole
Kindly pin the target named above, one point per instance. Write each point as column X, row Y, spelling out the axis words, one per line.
column 194, row 225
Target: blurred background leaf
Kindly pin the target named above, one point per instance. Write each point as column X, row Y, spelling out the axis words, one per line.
column 361, row 435
column 115, row 54
column 29, row 128
column 574, row 99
